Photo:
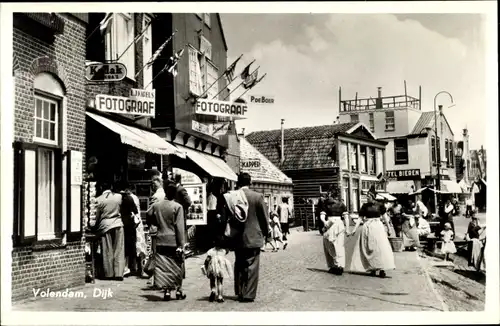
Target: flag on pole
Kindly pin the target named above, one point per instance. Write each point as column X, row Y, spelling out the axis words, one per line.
column 103, row 25
column 160, row 49
column 251, row 80
column 171, row 66
column 246, row 72
column 231, row 69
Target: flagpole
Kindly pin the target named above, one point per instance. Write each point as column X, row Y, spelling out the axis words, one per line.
column 136, row 39
column 239, row 84
column 253, row 85
column 232, row 81
column 224, row 73
column 171, row 36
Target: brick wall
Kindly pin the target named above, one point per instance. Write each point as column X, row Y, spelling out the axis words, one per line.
column 61, row 267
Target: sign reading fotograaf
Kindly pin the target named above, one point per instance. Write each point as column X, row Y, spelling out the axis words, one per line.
column 233, row 110
column 412, row 174
column 140, row 102
column 105, row 72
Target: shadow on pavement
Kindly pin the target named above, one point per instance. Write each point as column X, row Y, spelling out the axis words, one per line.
column 473, row 275
column 318, row 270
column 150, row 297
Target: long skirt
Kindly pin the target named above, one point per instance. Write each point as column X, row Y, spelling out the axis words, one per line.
column 113, row 252
column 169, row 269
column 334, row 244
column 246, row 272
column 369, row 249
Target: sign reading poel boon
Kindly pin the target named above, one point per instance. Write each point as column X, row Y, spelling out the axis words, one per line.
column 222, row 108
column 250, row 164
column 95, row 71
column 141, row 102
column 261, row 99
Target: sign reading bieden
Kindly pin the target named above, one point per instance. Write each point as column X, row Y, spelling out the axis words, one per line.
column 140, row 102
column 413, row 174
column 221, row 108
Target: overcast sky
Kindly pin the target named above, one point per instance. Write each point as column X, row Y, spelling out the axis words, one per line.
column 308, row 56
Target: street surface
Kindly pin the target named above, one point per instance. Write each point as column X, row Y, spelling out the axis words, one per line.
column 291, row 280
column 461, row 224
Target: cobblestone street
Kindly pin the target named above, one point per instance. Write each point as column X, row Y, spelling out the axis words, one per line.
column 291, row 280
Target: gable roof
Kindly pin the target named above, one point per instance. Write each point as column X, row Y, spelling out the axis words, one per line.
column 268, row 172
column 305, row 148
column 426, row 120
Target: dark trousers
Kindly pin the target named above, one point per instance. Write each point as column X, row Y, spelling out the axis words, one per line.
column 246, row 272
column 130, row 247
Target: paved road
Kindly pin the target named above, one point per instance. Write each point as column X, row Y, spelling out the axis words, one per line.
column 462, row 223
column 291, row 280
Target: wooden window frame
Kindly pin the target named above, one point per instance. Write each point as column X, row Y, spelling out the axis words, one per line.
column 393, row 124
column 401, row 162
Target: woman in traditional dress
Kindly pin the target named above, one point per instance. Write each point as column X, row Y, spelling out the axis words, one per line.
column 475, row 235
column 371, row 250
column 168, row 216
column 333, row 217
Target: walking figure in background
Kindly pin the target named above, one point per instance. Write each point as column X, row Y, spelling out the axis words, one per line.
column 333, row 218
column 277, row 233
column 448, row 246
column 285, row 214
column 268, row 237
column 129, row 213
column 217, row 267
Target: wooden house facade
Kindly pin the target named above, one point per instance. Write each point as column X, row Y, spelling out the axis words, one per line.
column 346, row 158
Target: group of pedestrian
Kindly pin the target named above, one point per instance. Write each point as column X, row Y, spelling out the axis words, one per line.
column 120, row 228
column 363, row 248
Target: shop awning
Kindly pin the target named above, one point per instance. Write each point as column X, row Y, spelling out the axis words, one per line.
column 384, row 195
column 450, row 187
column 214, row 166
column 369, row 178
column 138, row 138
column 400, row 187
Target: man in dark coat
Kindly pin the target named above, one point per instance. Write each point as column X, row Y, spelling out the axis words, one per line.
column 247, row 249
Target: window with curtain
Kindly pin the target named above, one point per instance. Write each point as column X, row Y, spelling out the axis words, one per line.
column 379, row 165
column 195, row 76
column 371, row 160
column 401, row 151
column 147, row 52
column 372, row 123
column 389, row 121
column 355, row 195
column 345, row 191
column 344, row 156
column 364, row 156
column 206, row 47
column 119, row 35
column 354, row 157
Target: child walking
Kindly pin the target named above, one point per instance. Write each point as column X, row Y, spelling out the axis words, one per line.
column 216, row 268
column 448, row 246
column 278, row 233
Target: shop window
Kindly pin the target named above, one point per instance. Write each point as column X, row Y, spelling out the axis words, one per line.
column 363, row 163
column 354, row 157
column 401, row 151
column 389, row 121
column 354, row 118
column 119, row 35
column 371, row 160
column 355, row 195
column 147, row 52
column 38, row 168
column 372, row 123
column 344, row 156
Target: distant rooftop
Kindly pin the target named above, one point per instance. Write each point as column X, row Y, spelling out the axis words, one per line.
column 378, row 103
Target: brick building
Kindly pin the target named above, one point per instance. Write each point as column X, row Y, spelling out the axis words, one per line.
column 49, row 144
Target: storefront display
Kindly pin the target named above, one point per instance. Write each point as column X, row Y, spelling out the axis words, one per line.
column 197, row 212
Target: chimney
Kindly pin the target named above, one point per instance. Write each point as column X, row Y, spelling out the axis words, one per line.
column 282, row 140
column 242, row 132
column 378, row 101
column 440, row 107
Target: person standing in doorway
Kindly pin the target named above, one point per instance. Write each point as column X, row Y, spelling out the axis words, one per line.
column 248, row 245
column 110, row 227
column 128, row 212
column 285, row 214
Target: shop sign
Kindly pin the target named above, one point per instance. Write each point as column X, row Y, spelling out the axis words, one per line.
column 76, row 161
column 261, row 99
column 217, row 108
column 250, row 164
column 105, row 72
column 125, row 105
column 201, row 128
column 400, row 175
column 213, row 130
column 219, row 129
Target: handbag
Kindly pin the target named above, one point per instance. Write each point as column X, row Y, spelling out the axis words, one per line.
column 149, row 268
